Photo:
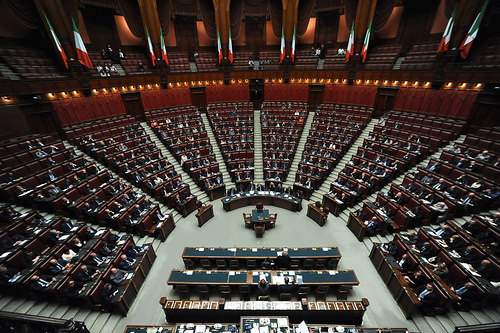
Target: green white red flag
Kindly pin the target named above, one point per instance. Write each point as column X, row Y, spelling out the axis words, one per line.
column 81, row 51
column 471, row 35
column 219, row 46
column 445, row 41
column 230, row 56
column 151, row 51
column 293, row 46
column 163, row 48
column 350, row 45
column 56, row 41
column 364, row 50
column 282, row 47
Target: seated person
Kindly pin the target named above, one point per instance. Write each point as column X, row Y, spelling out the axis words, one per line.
column 428, row 298
column 371, row 226
column 262, row 289
column 283, row 261
column 467, row 295
column 119, row 277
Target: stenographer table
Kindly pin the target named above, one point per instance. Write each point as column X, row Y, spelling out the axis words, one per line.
column 276, row 199
column 243, row 254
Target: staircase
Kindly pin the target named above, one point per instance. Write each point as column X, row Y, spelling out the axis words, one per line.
column 192, row 67
column 321, row 62
column 258, row 153
column 8, row 73
column 195, row 189
column 294, row 166
column 222, row 166
column 325, row 187
column 397, row 64
column 120, row 70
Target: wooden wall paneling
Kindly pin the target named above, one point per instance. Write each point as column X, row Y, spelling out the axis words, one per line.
column 133, row 105
column 326, row 28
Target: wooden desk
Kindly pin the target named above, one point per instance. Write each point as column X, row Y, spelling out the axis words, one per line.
column 164, row 228
column 242, row 254
column 318, row 215
column 334, row 205
column 281, row 200
column 144, row 328
column 306, row 191
column 252, row 278
column 204, row 214
column 217, row 192
column 188, row 207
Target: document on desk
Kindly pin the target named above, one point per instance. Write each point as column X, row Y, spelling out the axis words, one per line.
column 282, row 322
column 302, row 328
column 278, row 279
column 189, row 272
column 264, row 329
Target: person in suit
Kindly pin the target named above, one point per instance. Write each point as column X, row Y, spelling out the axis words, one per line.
column 469, row 256
column 108, row 295
column 95, row 260
column 40, row 282
column 54, row 191
column 126, row 263
column 87, row 273
column 428, row 298
column 371, row 226
column 416, row 280
column 7, row 273
column 405, row 263
column 66, row 225
column 467, row 295
column 50, row 176
column 424, row 249
column 283, row 261
column 53, row 237
column 486, row 269
column 119, row 277
column 287, row 287
column 57, row 266
column 456, row 243
column 73, row 289
column 106, row 249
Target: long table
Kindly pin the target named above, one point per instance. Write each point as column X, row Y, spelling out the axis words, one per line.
column 281, row 200
column 236, row 278
column 243, row 254
column 340, row 312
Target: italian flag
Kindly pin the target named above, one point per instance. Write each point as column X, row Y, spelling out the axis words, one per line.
column 293, row 46
column 230, row 56
column 83, row 56
column 471, row 35
column 364, row 50
column 219, row 46
column 350, row 45
column 282, row 49
column 56, row 41
column 150, row 47
column 445, row 41
column 163, row 48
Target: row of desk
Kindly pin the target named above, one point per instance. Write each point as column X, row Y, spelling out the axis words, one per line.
column 245, row 324
column 251, row 198
column 341, row 312
column 305, row 278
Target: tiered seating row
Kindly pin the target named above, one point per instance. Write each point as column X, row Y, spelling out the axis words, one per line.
column 331, row 135
column 129, row 151
column 232, row 124
column 183, row 132
column 57, row 261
